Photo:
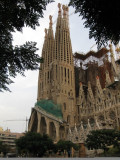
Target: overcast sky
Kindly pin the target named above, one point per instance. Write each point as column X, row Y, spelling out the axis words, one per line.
column 16, row 105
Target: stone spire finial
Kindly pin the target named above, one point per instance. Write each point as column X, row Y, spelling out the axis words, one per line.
column 80, row 83
column 97, row 77
column 111, row 50
column 50, row 24
column 64, row 10
column 107, row 80
column 59, row 6
column 89, row 123
column 89, row 85
column 117, row 48
column 75, row 128
column 69, row 130
column 97, row 124
column 67, row 10
column 45, row 32
column 82, row 125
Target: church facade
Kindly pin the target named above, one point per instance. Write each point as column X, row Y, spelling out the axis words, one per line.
column 76, row 93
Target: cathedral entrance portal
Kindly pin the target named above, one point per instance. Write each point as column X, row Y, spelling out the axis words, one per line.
column 61, row 132
column 43, row 126
column 52, row 131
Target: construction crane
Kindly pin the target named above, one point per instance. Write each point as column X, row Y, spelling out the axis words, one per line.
column 92, row 46
column 20, row 120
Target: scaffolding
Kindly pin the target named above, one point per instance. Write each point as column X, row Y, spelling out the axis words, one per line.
column 84, row 60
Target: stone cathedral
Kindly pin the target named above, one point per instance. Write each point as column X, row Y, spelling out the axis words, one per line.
column 76, row 93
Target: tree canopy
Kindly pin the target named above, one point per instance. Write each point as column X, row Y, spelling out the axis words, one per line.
column 66, row 145
column 14, row 15
column 102, row 139
column 101, row 17
column 4, row 148
column 34, row 144
column 63, row 145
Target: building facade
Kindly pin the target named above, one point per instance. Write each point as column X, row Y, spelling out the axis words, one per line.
column 8, row 138
column 76, row 93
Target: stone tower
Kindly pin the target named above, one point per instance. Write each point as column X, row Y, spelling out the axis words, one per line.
column 56, row 76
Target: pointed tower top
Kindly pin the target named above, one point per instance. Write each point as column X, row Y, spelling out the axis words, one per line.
column 97, row 77
column 106, row 57
column 80, row 83
column 69, row 130
column 111, row 50
column 50, row 24
column 117, row 48
column 45, row 32
column 64, row 10
column 89, row 124
column 89, row 84
column 75, row 128
column 82, row 125
column 67, row 9
column 59, row 11
column 97, row 124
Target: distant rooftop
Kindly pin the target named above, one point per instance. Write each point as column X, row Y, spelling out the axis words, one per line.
column 1, row 129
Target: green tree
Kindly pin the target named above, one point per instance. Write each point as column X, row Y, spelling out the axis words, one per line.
column 63, row 145
column 0, row 146
column 4, row 148
column 14, row 15
column 102, row 139
column 34, row 144
column 101, row 17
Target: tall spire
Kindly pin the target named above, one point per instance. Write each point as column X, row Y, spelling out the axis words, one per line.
column 44, row 46
column 50, row 24
column 50, row 30
column 45, row 72
column 64, row 11
column 63, row 48
column 59, row 11
column 45, row 33
column 58, row 33
column 42, row 66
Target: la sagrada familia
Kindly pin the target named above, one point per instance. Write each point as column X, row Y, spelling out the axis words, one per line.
column 76, row 93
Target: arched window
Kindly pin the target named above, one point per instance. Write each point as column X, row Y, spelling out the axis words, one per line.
column 68, row 119
column 109, row 95
column 64, row 105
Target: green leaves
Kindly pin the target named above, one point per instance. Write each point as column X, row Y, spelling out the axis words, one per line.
column 21, row 13
column 101, row 17
column 102, row 139
column 4, row 148
column 66, row 145
column 17, row 60
column 34, row 144
column 14, row 15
